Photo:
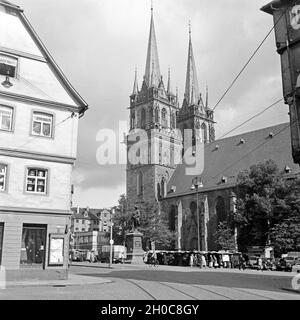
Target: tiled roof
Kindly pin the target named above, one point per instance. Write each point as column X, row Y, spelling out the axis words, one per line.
column 92, row 213
column 227, row 157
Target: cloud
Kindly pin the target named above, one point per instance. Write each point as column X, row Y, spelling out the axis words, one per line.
column 98, row 43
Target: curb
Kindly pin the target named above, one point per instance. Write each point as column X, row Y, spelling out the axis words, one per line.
column 59, row 283
column 291, row 290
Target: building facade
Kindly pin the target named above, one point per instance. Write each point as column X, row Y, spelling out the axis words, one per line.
column 90, row 228
column 39, row 114
column 192, row 213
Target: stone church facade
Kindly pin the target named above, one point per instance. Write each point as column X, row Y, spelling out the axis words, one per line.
column 156, row 141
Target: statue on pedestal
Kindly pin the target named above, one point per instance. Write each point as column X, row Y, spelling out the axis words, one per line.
column 135, row 219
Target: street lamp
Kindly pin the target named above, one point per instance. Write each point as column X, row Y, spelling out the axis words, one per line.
column 196, row 184
column 111, row 241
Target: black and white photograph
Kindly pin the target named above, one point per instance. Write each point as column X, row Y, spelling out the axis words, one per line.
column 149, row 154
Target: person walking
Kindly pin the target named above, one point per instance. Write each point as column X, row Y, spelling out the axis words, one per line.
column 260, row 264
column 191, row 260
column 203, row 261
column 88, row 256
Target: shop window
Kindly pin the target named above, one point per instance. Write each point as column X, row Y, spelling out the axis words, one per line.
column 36, row 181
column 8, row 66
column 42, row 124
column 3, row 177
column 1, row 239
column 33, row 245
column 6, row 116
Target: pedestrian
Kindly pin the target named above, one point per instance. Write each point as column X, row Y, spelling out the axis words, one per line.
column 203, row 261
column 88, row 256
column 192, row 260
column 92, row 257
column 260, row 264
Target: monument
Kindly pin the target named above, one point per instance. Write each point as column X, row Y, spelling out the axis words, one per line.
column 135, row 251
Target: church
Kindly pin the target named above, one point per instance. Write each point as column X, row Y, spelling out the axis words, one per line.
column 195, row 204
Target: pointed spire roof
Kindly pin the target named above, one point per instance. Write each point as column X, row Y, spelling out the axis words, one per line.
column 191, row 85
column 206, row 102
column 169, row 88
column 152, row 71
column 135, row 85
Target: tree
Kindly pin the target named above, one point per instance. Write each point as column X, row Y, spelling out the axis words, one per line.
column 255, row 197
column 121, row 221
column 268, row 208
column 154, row 226
column 224, row 237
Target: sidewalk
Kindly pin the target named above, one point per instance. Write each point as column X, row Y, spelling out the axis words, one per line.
column 127, row 266
column 73, row 280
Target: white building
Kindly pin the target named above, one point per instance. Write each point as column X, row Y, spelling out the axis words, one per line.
column 39, row 112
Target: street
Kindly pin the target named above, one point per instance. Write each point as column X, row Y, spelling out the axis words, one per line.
column 143, row 282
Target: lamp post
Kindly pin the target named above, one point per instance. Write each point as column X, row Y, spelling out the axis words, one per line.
column 111, row 241
column 196, row 184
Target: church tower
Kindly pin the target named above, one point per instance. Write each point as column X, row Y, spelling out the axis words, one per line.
column 153, row 143
column 194, row 114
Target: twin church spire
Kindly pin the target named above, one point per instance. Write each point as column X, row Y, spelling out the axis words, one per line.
column 153, row 78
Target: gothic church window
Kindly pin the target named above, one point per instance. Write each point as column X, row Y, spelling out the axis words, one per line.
column 140, row 184
column 163, row 187
column 164, row 121
column 204, row 132
column 220, row 209
column 156, row 115
column 173, row 121
column 143, row 119
column 172, row 218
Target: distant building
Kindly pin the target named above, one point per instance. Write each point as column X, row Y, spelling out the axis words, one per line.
column 86, row 219
column 39, row 114
column 90, row 228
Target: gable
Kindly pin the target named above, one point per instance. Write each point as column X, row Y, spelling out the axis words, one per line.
column 38, row 76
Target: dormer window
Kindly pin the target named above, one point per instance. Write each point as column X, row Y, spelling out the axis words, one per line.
column 287, row 169
column 8, row 66
column 224, row 179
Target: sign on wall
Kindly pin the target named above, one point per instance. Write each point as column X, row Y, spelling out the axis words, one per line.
column 56, row 250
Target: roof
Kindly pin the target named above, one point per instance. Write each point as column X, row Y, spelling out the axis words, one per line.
column 93, row 214
column 270, row 7
column 152, row 70
column 10, row 4
column 191, row 84
column 227, row 157
column 40, row 77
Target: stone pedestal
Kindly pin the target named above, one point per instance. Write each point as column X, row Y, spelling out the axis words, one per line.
column 135, row 251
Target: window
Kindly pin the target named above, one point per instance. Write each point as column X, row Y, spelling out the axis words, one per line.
column 6, row 114
column 173, row 121
column 1, row 239
column 164, row 121
column 8, row 66
column 42, row 124
column 3, row 176
column 156, row 115
column 143, row 119
column 77, row 221
column 33, row 245
column 140, row 184
column 36, row 181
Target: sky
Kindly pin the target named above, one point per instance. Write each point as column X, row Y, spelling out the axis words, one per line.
column 99, row 43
